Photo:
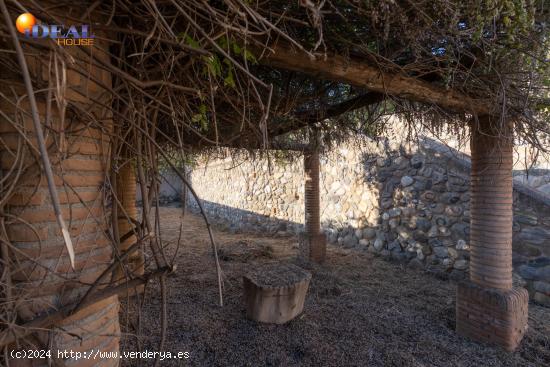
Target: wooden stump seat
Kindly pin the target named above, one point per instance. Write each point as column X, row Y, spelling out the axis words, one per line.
column 275, row 293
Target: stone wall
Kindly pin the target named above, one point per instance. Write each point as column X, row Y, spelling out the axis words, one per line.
column 406, row 205
column 170, row 187
column 535, row 178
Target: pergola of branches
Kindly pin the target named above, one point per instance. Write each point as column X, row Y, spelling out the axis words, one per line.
column 193, row 75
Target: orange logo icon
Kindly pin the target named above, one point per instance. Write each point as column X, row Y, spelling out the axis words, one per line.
column 25, row 22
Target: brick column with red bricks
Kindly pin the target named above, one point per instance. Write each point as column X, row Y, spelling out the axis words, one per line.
column 79, row 150
column 313, row 243
column 127, row 213
column 488, row 308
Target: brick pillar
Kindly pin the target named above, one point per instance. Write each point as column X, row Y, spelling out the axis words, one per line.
column 488, row 308
column 78, row 147
column 127, row 212
column 314, row 241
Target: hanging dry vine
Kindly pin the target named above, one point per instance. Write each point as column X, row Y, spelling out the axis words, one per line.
column 167, row 79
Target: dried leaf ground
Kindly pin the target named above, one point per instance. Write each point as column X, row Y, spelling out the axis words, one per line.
column 360, row 311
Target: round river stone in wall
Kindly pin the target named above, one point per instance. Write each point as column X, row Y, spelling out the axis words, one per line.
column 406, row 181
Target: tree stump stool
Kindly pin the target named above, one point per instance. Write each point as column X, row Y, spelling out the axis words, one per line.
column 275, row 293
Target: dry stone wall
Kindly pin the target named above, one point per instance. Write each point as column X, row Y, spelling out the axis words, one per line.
column 409, row 205
column 538, row 179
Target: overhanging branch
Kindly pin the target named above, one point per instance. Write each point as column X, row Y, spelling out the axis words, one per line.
column 361, row 74
column 363, row 100
column 301, row 120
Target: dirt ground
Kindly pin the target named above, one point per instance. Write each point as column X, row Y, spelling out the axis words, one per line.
column 360, row 311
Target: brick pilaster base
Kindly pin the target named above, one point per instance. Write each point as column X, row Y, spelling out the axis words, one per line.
column 490, row 315
column 313, row 248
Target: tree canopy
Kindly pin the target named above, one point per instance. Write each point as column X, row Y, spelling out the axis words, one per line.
column 239, row 73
